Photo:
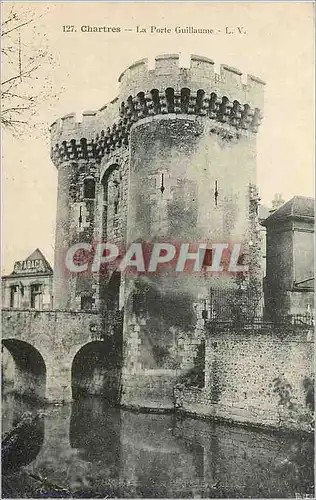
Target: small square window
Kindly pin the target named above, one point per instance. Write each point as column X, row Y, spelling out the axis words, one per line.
column 86, row 303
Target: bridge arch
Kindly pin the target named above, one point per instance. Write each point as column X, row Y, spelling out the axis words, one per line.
column 96, row 369
column 30, row 368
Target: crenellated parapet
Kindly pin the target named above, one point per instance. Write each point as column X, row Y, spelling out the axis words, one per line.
column 200, row 76
column 76, row 140
column 165, row 90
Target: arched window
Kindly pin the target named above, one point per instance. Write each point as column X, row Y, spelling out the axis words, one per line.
column 89, row 188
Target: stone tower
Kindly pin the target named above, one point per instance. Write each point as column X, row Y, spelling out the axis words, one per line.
column 172, row 159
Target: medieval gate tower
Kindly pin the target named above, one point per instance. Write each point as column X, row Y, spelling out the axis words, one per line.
column 172, row 158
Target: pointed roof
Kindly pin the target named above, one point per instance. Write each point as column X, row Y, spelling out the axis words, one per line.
column 38, row 255
column 298, row 207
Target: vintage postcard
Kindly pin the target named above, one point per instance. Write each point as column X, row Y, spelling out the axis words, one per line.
column 158, row 249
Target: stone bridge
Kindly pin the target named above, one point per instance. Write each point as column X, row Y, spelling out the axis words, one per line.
column 56, row 352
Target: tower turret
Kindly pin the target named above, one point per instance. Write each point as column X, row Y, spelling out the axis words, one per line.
column 173, row 158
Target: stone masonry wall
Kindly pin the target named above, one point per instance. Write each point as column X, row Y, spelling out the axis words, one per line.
column 264, row 378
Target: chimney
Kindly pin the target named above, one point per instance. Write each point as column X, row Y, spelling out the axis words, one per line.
column 277, row 202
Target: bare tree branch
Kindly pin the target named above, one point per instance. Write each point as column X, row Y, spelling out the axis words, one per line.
column 3, row 33
column 11, row 16
column 22, row 90
column 21, row 74
column 16, row 109
column 6, row 93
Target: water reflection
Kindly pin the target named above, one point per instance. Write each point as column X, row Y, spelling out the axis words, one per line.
column 23, row 446
column 91, row 447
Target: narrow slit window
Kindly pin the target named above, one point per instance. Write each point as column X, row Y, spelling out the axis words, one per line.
column 216, row 193
column 80, row 216
column 162, row 183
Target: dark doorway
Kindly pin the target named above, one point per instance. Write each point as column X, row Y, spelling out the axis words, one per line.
column 30, row 369
column 96, row 369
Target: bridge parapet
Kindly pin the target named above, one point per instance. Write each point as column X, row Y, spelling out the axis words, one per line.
column 31, row 325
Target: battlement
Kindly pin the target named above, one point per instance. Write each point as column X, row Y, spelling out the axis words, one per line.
column 92, row 122
column 200, row 75
column 168, row 88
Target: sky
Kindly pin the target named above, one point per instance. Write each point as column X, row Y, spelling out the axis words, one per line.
column 83, row 72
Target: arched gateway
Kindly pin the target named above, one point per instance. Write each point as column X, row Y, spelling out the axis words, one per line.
column 30, row 368
column 96, row 370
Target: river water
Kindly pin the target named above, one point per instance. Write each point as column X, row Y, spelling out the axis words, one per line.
column 89, row 446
